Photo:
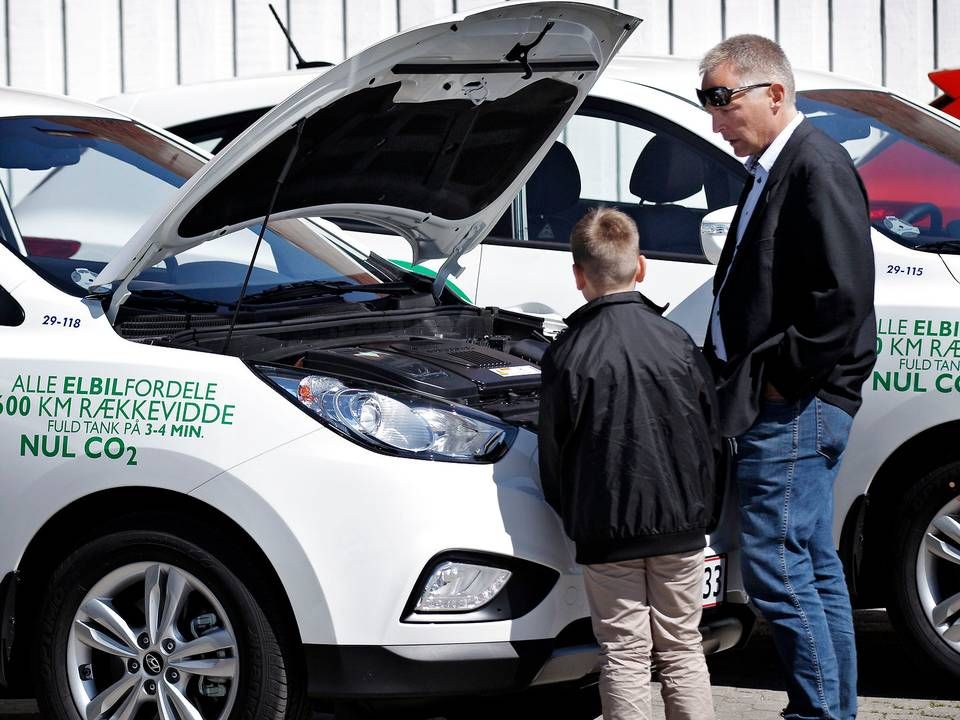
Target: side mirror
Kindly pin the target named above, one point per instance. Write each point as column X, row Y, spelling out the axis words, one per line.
column 713, row 231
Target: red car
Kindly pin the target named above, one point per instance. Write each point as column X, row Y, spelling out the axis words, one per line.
column 922, row 182
column 949, row 82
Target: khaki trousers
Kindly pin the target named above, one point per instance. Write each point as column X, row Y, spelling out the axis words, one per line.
column 650, row 609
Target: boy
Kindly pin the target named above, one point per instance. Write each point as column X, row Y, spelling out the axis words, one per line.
column 628, row 450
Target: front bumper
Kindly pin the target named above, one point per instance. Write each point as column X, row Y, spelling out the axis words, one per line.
column 351, row 537
column 425, row 671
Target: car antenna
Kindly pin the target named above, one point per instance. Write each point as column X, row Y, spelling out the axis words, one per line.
column 301, row 63
column 263, row 228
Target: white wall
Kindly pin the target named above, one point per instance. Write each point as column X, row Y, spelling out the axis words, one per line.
column 93, row 48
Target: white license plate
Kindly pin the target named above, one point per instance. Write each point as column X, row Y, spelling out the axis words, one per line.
column 714, row 580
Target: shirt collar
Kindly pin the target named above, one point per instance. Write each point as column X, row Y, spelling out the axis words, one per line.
column 763, row 162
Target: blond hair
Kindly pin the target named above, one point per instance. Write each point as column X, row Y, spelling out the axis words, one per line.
column 605, row 245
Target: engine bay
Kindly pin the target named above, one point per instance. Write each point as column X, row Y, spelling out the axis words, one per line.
column 485, row 358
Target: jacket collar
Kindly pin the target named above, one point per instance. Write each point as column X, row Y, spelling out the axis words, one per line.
column 597, row 304
column 777, row 172
column 785, row 158
column 765, row 161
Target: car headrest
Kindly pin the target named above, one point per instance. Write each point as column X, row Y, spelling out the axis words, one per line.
column 666, row 171
column 555, row 185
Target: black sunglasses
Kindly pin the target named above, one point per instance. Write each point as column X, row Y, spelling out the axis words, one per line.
column 720, row 96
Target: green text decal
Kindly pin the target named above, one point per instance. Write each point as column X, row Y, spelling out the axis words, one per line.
column 917, row 355
column 101, row 417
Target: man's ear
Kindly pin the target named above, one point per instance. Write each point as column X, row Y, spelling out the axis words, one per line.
column 777, row 93
column 579, row 277
column 641, row 268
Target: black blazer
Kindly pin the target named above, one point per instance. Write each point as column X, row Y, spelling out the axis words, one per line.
column 797, row 307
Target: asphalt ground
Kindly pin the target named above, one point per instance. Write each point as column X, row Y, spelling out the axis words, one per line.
column 747, row 685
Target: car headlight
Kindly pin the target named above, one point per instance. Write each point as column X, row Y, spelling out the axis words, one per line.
column 396, row 422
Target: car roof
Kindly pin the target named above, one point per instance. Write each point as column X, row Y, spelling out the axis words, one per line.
column 172, row 106
column 18, row 103
column 176, row 105
column 680, row 76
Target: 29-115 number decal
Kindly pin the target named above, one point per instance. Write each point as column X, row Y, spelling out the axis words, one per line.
column 904, row 270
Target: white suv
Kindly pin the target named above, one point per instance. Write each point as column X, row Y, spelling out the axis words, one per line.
column 640, row 143
column 214, row 509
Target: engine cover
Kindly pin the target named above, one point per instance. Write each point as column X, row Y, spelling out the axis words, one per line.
column 452, row 369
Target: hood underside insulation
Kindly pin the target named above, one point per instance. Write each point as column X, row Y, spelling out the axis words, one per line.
column 447, row 158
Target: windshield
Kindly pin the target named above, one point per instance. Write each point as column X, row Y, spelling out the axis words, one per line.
column 909, row 160
column 80, row 188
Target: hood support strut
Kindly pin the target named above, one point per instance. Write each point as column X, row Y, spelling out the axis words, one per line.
column 263, row 229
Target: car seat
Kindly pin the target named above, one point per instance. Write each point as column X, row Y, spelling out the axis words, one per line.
column 666, row 172
column 553, row 194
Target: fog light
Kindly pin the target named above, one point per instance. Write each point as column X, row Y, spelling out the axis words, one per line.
column 461, row 587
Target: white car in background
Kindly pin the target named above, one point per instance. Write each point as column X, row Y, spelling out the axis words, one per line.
column 214, row 509
column 641, row 143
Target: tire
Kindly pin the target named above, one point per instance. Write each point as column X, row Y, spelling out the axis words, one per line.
column 926, row 584
column 212, row 651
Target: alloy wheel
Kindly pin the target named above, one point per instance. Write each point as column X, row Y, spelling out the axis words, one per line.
column 152, row 635
column 938, row 573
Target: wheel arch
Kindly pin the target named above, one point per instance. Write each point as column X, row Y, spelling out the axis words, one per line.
column 869, row 542
column 205, row 525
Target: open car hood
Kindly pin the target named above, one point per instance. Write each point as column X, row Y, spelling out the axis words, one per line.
column 430, row 134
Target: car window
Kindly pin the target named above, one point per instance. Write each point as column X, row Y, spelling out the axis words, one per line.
column 87, row 206
column 80, row 188
column 908, row 158
column 211, row 145
column 665, row 178
column 7, row 236
column 215, row 133
column 11, row 314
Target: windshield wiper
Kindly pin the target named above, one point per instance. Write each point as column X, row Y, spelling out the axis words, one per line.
column 939, row 245
column 312, row 289
column 174, row 297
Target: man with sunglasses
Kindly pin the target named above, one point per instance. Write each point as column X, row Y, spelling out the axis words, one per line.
column 791, row 339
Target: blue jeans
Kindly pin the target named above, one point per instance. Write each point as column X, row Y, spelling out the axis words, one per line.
column 786, row 464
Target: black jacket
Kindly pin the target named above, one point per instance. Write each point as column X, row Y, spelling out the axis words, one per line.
column 797, row 307
column 628, row 439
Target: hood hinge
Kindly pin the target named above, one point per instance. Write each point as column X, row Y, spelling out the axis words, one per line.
column 451, row 265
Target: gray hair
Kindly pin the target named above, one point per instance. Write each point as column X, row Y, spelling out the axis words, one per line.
column 755, row 59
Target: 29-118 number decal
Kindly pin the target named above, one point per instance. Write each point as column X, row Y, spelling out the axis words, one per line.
column 66, row 322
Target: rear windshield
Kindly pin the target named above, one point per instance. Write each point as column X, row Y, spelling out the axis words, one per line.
column 909, row 160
